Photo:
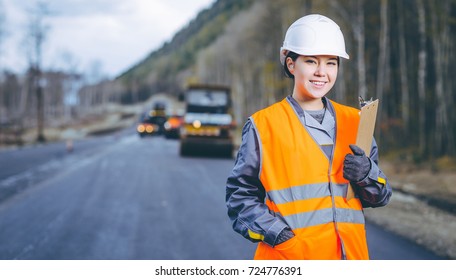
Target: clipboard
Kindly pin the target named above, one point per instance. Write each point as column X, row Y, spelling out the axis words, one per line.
column 368, row 116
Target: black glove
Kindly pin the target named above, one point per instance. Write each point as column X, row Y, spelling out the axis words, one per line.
column 356, row 166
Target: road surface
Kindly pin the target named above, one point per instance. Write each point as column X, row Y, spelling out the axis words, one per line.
column 126, row 198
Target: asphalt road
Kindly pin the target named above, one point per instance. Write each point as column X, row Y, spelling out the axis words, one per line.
column 125, row 198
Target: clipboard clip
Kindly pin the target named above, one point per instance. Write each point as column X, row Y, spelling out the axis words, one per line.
column 363, row 102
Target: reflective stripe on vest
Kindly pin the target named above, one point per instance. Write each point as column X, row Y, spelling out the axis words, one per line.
column 305, row 188
column 304, row 199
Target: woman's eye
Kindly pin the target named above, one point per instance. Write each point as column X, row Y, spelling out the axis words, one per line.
column 310, row 61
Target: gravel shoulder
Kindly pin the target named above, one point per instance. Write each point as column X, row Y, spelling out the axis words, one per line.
column 422, row 207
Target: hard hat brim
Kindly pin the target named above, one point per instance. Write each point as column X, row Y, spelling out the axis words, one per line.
column 284, row 52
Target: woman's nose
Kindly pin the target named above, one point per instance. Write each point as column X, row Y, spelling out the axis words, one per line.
column 320, row 71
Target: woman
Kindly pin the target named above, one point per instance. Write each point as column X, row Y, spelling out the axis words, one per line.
column 288, row 187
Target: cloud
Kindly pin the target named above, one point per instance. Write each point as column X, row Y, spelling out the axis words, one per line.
column 116, row 33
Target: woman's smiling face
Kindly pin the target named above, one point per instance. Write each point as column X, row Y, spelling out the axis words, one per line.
column 314, row 76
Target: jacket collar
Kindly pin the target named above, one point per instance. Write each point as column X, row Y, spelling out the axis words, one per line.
column 328, row 120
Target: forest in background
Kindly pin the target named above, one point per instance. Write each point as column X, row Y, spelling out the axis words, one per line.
column 401, row 52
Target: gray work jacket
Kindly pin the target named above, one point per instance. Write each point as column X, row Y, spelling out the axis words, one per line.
column 245, row 194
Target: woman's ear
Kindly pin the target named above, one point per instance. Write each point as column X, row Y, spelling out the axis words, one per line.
column 290, row 65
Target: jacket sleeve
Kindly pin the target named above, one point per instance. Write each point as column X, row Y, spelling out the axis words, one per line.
column 374, row 190
column 245, row 195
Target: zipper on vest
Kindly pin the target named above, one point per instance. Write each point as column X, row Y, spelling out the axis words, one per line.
column 343, row 256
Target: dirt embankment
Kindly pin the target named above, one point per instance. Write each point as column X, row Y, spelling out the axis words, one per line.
column 422, row 207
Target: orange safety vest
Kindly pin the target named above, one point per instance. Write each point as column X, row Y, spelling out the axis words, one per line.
column 308, row 190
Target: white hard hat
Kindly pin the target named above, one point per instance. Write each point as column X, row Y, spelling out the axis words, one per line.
column 314, row 35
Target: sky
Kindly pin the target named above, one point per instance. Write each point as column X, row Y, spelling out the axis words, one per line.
column 102, row 37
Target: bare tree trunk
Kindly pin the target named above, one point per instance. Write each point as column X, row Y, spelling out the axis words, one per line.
column 37, row 30
column 383, row 59
column 238, row 93
column 1, row 110
column 405, row 94
column 447, row 77
column 422, row 77
column 2, row 32
column 360, row 38
column 449, row 90
column 440, row 31
column 40, row 107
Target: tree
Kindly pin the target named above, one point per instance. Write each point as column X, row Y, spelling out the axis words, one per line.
column 383, row 65
column 403, row 69
column 444, row 139
column 2, row 35
column 421, row 78
column 358, row 30
column 36, row 34
column 2, row 30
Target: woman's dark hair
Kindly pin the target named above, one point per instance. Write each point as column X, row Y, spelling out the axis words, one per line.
column 293, row 57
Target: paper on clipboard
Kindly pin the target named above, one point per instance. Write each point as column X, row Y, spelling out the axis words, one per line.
column 366, row 127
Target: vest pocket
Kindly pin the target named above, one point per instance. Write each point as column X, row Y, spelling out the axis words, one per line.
column 288, row 250
column 287, row 244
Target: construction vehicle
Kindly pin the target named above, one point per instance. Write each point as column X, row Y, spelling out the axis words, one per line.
column 208, row 124
column 153, row 121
